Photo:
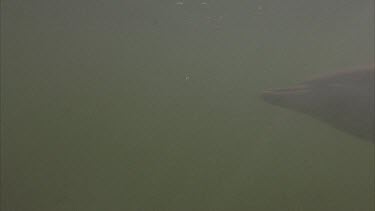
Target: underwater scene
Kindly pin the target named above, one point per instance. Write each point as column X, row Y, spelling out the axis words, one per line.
column 174, row 105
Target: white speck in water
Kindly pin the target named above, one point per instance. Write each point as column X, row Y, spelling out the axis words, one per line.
column 260, row 8
column 187, row 77
column 204, row 3
column 179, row 3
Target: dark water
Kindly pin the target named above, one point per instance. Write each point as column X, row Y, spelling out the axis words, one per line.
column 154, row 105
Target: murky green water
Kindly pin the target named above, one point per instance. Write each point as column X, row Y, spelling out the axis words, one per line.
column 154, row 105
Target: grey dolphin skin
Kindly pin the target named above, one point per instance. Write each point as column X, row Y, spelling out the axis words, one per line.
column 344, row 100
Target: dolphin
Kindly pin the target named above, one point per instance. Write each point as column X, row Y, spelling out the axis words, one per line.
column 345, row 100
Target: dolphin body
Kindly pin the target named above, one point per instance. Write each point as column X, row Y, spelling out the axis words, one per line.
column 344, row 100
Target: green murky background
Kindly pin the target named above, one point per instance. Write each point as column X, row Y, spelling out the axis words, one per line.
column 154, row 105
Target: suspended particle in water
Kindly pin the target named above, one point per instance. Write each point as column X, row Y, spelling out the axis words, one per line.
column 260, row 8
